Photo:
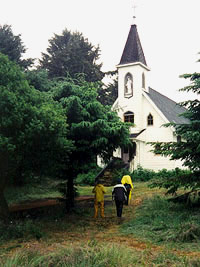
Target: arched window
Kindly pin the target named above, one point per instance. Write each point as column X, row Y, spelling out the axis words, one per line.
column 150, row 119
column 129, row 117
column 128, row 85
column 143, row 81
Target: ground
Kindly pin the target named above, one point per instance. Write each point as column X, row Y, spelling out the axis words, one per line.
column 81, row 228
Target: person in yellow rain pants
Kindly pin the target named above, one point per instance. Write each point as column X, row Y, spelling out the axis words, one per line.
column 127, row 182
column 99, row 192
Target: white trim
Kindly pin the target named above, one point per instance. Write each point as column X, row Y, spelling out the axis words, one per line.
column 132, row 64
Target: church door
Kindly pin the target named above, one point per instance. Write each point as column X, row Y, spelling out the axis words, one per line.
column 129, row 153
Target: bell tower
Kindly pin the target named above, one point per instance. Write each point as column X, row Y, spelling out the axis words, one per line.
column 132, row 77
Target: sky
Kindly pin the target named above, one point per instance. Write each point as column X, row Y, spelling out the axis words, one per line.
column 168, row 31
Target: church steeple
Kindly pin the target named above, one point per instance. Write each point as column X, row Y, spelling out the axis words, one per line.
column 133, row 51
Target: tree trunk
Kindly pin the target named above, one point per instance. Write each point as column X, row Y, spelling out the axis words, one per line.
column 70, row 194
column 4, row 211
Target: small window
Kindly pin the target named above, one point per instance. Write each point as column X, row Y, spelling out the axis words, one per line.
column 143, row 80
column 150, row 120
column 129, row 117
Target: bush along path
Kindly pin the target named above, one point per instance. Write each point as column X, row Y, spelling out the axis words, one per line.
column 48, row 231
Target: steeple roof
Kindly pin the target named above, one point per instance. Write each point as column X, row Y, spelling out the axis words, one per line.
column 133, row 49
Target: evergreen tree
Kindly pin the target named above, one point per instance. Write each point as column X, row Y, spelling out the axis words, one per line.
column 187, row 148
column 71, row 54
column 93, row 128
column 12, row 46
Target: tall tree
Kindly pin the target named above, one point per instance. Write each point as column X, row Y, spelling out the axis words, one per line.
column 70, row 54
column 93, row 128
column 12, row 46
column 33, row 130
column 188, row 148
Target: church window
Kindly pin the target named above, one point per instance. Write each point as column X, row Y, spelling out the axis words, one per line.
column 143, row 80
column 128, row 85
column 150, row 119
column 178, row 139
column 129, row 117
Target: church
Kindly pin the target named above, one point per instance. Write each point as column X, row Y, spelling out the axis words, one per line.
column 146, row 108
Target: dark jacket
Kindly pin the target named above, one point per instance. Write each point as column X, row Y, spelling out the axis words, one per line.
column 119, row 192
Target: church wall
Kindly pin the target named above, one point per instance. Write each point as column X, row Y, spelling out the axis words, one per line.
column 149, row 160
column 153, row 133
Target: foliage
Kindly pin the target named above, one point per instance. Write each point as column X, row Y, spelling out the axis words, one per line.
column 88, row 178
column 32, row 129
column 20, row 230
column 39, row 80
column 12, row 46
column 162, row 221
column 175, row 179
column 70, row 54
column 141, row 174
column 94, row 128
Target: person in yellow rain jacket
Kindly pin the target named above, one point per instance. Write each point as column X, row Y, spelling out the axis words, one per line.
column 127, row 182
column 99, row 192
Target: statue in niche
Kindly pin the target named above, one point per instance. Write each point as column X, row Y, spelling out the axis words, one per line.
column 128, row 86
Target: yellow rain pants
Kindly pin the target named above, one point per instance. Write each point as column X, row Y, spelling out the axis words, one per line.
column 99, row 191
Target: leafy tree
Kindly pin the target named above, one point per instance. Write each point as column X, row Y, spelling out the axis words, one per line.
column 69, row 54
column 12, row 46
column 33, row 130
column 188, row 148
column 93, row 128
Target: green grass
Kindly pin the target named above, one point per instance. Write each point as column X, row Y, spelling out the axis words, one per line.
column 47, row 188
column 164, row 222
column 98, row 255
column 87, row 190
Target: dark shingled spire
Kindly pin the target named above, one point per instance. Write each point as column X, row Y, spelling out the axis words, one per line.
column 133, row 49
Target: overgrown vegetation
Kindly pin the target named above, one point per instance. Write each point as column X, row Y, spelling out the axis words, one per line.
column 162, row 221
column 99, row 255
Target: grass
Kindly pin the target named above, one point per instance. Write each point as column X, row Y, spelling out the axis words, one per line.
column 164, row 222
column 98, row 255
column 77, row 239
column 47, row 188
column 87, row 190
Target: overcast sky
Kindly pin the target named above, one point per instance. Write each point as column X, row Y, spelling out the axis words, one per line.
column 169, row 31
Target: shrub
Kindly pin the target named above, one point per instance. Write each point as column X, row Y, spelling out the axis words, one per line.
column 20, row 229
column 142, row 175
column 89, row 177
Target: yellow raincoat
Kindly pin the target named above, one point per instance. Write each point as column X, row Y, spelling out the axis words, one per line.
column 99, row 191
column 126, row 179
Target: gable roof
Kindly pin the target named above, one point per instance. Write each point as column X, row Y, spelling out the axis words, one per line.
column 133, row 51
column 168, row 107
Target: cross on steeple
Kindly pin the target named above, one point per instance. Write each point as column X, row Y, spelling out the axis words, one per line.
column 134, row 11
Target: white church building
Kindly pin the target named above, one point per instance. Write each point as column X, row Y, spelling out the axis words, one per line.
column 146, row 108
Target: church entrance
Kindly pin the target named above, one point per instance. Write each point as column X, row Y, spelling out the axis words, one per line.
column 128, row 153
